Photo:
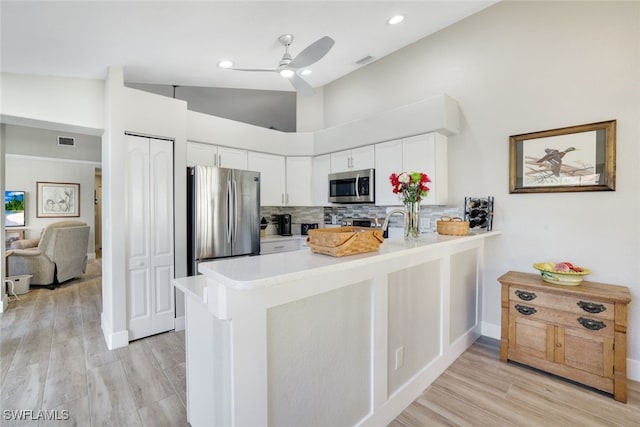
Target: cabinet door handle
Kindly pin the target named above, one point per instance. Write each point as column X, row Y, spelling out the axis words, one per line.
column 526, row 296
column 278, row 247
column 591, row 307
column 282, row 197
column 594, row 325
column 527, row 311
column 219, row 160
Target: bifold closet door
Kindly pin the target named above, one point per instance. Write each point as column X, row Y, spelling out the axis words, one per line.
column 150, row 295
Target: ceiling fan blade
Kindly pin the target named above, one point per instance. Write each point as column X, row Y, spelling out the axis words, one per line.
column 301, row 86
column 312, row 53
column 253, row 69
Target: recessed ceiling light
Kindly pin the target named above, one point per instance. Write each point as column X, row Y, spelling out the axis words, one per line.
column 225, row 64
column 286, row 73
column 306, row 72
column 395, row 20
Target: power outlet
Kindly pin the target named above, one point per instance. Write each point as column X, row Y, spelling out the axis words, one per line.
column 425, row 224
column 399, row 357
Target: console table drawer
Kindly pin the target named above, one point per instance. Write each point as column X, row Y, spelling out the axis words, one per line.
column 581, row 306
column 587, row 323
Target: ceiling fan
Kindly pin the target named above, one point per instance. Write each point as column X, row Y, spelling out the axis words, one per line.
column 288, row 66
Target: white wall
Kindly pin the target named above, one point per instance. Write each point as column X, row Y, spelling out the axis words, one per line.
column 135, row 111
column 520, row 67
column 33, row 155
column 53, row 102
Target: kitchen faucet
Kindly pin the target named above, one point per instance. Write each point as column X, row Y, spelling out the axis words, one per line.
column 385, row 224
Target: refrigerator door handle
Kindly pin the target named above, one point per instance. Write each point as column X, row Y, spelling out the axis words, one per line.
column 229, row 210
column 235, row 209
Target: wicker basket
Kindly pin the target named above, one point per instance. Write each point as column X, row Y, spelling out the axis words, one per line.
column 343, row 241
column 452, row 226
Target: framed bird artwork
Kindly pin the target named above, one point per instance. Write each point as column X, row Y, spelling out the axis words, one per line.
column 575, row 158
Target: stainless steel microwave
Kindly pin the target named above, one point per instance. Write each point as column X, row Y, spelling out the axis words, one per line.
column 352, row 186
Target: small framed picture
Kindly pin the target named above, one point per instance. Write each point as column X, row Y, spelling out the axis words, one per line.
column 58, row 199
column 576, row 158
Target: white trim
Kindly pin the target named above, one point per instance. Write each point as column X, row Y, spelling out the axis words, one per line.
column 633, row 369
column 491, row 330
column 114, row 339
column 179, row 324
column 53, row 159
column 5, row 302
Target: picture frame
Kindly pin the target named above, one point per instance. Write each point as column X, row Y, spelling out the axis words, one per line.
column 569, row 159
column 57, row 199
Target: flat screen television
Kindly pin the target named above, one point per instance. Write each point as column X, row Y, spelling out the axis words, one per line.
column 14, row 209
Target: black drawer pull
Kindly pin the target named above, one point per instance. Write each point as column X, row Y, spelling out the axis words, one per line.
column 526, row 296
column 594, row 325
column 527, row 311
column 590, row 307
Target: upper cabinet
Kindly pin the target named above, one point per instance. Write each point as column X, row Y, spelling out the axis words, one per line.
column 320, row 180
column 212, row 155
column 388, row 161
column 284, row 181
column 422, row 153
column 354, row 159
column 272, row 177
column 298, row 189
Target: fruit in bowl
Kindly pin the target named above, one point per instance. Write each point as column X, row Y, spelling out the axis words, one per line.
column 561, row 273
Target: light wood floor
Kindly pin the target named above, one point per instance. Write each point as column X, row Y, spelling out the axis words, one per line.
column 53, row 356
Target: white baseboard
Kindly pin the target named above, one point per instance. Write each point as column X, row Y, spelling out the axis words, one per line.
column 5, row 302
column 114, row 339
column 179, row 323
column 490, row 330
column 633, row 369
column 493, row 331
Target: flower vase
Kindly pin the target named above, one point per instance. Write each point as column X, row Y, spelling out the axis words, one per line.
column 411, row 220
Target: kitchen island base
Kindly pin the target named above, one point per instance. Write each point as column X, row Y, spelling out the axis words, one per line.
column 304, row 339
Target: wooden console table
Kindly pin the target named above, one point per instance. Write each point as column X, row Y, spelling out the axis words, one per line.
column 576, row 332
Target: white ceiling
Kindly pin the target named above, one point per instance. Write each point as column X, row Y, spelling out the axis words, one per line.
column 181, row 42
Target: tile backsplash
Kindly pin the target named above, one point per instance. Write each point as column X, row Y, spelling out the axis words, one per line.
column 323, row 215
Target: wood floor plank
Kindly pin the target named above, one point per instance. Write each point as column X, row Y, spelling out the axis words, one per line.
column 22, row 391
column 147, row 381
column 177, row 376
column 66, row 378
column 67, row 324
column 168, row 348
column 167, row 412
column 70, row 414
column 110, row 399
column 95, row 347
column 417, row 415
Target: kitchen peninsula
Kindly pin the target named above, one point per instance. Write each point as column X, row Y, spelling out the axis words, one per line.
column 298, row 338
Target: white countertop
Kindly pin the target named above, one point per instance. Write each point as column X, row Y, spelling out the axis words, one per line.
column 247, row 273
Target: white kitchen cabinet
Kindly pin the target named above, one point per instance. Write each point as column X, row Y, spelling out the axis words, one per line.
column 274, row 247
column 428, row 153
column 421, row 153
column 321, row 168
column 298, row 185
column 272, row 177
column 388, row 161
column 213, row 155
column 150, row 251
column 354, row 159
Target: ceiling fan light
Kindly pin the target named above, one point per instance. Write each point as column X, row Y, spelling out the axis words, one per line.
column 305, row 72
column 286, row 73
column 395, row 20
column 225, row 64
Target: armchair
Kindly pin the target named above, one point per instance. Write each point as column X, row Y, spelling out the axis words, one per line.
column 61, row 254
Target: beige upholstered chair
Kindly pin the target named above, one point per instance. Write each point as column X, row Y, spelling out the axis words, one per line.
column 61, row 254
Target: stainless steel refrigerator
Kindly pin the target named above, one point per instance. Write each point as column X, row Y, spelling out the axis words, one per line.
column 223, row 214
